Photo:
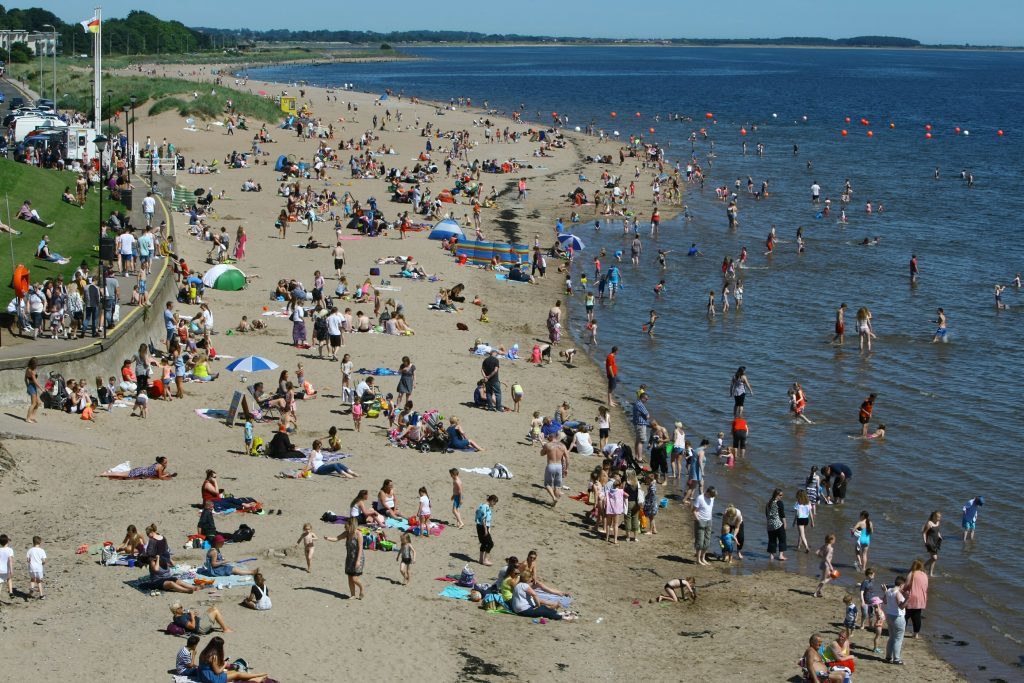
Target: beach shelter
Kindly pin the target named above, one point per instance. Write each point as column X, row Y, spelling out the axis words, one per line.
column 282, row 161
column 445, row 229
column 481, row 253
column 384, row 98
column 224, row 277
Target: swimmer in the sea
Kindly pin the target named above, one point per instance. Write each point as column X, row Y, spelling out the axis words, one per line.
column 1000, row 306
column 652, row 320
column 879, row 433
column 940, row 333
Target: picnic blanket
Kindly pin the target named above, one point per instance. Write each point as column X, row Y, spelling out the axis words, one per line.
column 183, row 573
column 401, row 524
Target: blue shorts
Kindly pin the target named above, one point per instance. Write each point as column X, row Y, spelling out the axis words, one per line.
column 941, row 332
column 968, row 526
column 456, row 502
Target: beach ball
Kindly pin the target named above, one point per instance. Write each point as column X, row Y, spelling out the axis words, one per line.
column 847, row 119
column 843, row 133
column 999, row 133
column 835, row 573
column 709, row 115
column 892, row 125
column 650, row 130
column 577, row 129
column 927, row 126
column 871, row 134
column 928, row 136
column 743, row 131
column 957, row 130
column 265, row 309
column 614, row 115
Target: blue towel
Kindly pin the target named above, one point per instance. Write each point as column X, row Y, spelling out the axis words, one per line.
column 455, row 592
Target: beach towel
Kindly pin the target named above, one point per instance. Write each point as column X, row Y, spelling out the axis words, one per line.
column 499, row 471
column 563, row 600
column 212, row 413
column 276, row 314
column 223, row 582
column 329, row 456
column 455, row 592
column 122, row 469
column 377, row 372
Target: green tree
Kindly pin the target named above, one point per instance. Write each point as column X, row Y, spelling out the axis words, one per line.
column 20, row 53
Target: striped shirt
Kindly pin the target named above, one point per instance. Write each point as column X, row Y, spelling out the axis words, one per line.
column 183, row 662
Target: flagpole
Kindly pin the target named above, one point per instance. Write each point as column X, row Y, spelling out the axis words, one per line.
column 97, row 93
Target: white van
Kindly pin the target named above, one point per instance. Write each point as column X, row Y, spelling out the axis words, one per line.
column 23, row 125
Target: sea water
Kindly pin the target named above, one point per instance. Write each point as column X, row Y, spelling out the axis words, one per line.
column 951, row 409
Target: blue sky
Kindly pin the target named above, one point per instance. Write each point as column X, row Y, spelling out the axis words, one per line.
column 979, row 22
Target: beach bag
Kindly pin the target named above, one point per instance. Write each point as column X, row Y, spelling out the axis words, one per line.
column 467, row 579
column 174, row 630
column 263, row 603
column 641, row 496
column 108, row 556
column 243, row 534
column 257, row 446
column 329, row 517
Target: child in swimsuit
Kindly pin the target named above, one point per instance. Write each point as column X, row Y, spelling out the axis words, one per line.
column 308, row 541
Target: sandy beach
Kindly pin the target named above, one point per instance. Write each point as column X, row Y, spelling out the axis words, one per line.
column 750, row 622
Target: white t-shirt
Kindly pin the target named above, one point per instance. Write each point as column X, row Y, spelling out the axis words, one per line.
column 894, row 601
column 36, row 556
column 702, row 508
column 127, row 243
column 679, row 440
column 6, row 560
column 583, row 444
column 802, row 511
column 148, row 205
column 334, row 324
column 424, row 505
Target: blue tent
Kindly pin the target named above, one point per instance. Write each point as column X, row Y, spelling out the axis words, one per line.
column 281, row 161
column 445, row 229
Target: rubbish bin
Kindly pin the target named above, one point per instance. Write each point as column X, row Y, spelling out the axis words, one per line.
column 126, row 197
column 108, row 251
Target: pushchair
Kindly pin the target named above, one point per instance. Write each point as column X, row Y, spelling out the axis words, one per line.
column 435, row 437
column 55, row 393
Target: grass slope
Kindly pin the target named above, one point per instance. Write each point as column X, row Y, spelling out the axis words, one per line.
column 76, row 231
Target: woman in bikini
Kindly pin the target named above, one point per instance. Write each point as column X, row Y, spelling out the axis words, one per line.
column 676, row 590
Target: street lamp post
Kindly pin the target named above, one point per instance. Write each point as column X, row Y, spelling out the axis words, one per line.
column 54, row 48
column 40, row 50
column 135, row 138
column 101, row 145
column 127, row 133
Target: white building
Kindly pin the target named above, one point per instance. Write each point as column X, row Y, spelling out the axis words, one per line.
column 45, row 43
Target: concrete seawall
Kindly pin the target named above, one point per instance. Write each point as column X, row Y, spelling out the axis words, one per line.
column 101, row 357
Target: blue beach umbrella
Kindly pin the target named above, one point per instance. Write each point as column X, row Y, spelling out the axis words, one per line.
column 251, row 364
column 570, row 242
